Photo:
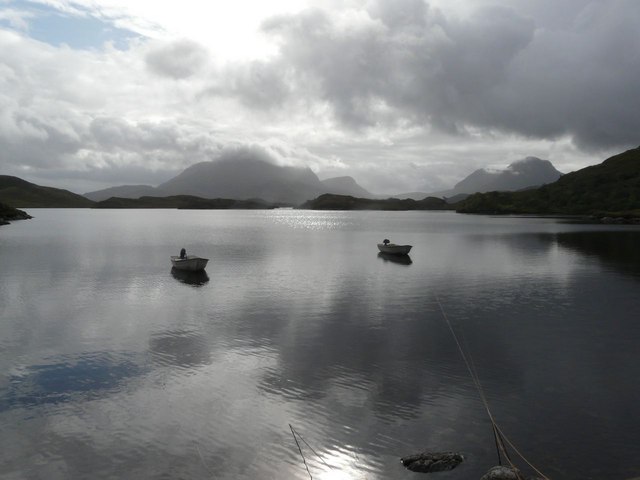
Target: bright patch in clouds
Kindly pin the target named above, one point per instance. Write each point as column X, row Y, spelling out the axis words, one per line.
column 403, row 95
column 230, row 30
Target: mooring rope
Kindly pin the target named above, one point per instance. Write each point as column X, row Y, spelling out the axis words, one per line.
column 300, row 450
column 296, row 433
column 499, row 435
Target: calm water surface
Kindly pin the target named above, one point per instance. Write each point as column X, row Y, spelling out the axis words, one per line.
column 112, row 366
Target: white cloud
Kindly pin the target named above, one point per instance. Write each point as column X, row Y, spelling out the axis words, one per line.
column 177, row 59
column 18, row 19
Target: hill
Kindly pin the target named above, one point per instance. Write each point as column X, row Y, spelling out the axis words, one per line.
column 19, row 193
column 612, row 187
column 183, row 202
column 346, row 202
column 123, row 191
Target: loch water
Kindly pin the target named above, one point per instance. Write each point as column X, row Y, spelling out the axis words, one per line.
column 114, row 366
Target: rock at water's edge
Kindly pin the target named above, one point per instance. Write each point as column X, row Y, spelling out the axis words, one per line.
column 505, row 473
column 427, row 462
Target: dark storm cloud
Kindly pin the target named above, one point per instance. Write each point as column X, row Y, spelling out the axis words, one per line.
column 582, row 81
column 409, row 59
column 499, row 68
column 178, row 59
column 343, row 66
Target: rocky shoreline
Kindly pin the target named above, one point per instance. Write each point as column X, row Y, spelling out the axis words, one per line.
column 619, row 220
column 9, row 214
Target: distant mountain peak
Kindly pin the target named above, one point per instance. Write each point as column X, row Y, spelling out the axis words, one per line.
column 529, row 159
column 245, row 173
column 524, row 173
column 533, row 165
column 242, row 173
column 345, row 185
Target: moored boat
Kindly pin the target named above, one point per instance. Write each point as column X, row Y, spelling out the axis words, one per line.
column 392, row 249
column 191, row 263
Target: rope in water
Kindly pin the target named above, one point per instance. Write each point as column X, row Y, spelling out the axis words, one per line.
column 296, row 433
column 301, row 454
column 499, row 435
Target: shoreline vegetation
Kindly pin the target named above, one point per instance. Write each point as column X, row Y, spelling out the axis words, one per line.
column 606, row 193
column 330, row 201
column 186, row 202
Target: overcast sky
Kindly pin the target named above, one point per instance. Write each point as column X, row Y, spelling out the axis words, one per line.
column 403, row 95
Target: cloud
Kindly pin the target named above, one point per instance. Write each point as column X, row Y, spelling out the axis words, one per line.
column 407, row 62
column 581, row 81
column 258, row 84
column 493, row 69
column 18, row 19
column 65, row 110
column 177, row 59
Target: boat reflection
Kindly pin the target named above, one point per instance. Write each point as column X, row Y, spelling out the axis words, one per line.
column 196, row 279
column 399, row 259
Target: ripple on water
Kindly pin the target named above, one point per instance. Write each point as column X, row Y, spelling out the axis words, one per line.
column 184, row 349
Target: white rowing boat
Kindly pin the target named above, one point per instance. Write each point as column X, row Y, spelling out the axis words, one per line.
column 392, row 249
column 191, row 263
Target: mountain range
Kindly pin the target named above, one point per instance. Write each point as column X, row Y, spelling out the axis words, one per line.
column 242, row 182
column 529, row 172
column 246, row 175
column 241, row 176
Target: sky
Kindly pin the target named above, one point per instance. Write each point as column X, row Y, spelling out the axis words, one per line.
column 402, row 95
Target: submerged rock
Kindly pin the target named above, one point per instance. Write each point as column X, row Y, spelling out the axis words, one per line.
column 428, row 462
column 505, row 473
column 502, row 473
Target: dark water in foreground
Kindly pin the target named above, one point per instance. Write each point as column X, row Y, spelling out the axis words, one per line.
column 113, row 367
